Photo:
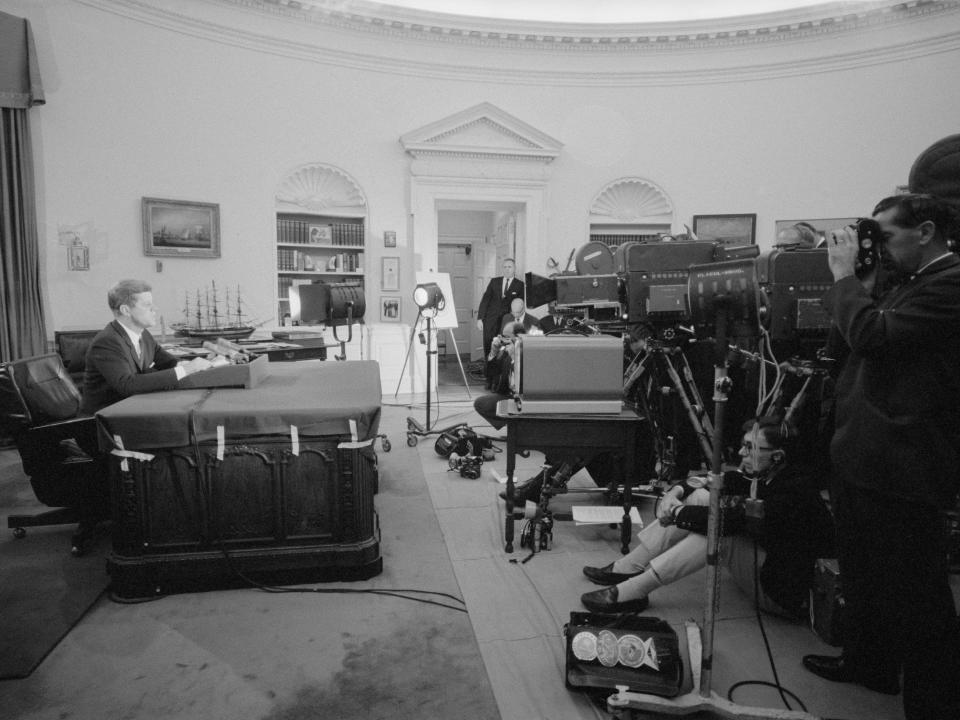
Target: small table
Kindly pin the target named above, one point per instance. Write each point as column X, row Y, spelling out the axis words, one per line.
column 565, row 433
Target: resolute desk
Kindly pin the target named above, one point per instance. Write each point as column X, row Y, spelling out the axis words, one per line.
column 564, row 435
column 275, row 482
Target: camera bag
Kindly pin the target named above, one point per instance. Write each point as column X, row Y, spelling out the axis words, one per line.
column 604, row 651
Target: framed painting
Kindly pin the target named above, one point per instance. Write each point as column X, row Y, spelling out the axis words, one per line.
column 726, row 229
column 176, row 228
column 390, row 274
column 390, row 308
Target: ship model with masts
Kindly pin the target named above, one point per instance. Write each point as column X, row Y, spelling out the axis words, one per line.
column 206, row 319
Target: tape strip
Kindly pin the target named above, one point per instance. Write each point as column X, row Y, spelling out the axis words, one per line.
column 353, row 429
column 358, row 444
column 221, row 441
column 294, row 440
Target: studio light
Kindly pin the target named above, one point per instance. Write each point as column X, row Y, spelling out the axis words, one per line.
column 428, row 296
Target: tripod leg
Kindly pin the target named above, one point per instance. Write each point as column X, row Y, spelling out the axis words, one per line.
column 406, row 358
column 459, row 362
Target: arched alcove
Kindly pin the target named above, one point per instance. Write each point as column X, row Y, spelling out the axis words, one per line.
column 630, row 208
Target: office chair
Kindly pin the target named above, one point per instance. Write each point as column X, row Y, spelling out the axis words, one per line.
column 39, row 407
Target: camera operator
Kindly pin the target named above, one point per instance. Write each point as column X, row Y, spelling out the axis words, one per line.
column 896, row 459
column 768, row 499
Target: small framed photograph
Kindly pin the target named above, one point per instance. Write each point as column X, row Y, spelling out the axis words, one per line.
column 174, row 228
column 389, row 238
column 389, row 308
column 390, row 274
column 78, row 256
column 321, row 234
column 726, row 229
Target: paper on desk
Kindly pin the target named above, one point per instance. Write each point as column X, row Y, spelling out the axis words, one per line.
column 603, row 514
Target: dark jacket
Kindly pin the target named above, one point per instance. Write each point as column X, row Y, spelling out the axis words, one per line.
column 529, row 321
column 493, row 305
column 113, row 370
column 898, row 394
column 796, row 529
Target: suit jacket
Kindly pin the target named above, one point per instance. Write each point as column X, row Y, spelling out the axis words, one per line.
column 113, row 370
column 494, row 305
column 528, row 321
column 898, row 394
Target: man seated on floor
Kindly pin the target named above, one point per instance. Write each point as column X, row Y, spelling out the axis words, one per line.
column 791, row 526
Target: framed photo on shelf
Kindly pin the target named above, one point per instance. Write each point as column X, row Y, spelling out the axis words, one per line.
column 175, row 228
column 390, row 274
column 321, row 234
column 726, row 229
column 389, row 308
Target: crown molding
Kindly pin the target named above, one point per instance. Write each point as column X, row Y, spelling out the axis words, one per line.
column 692, row 53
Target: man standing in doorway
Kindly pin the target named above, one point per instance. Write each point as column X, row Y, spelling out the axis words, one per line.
column 494, row 304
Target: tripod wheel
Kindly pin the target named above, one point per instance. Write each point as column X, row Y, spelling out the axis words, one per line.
column 411, row 440
column 385, row 444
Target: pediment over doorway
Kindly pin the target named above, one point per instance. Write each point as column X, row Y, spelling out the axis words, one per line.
column 482, row 131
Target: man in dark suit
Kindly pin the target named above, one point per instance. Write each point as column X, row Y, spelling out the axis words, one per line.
column 518, row 314
column 895, row 454
column 494, row 304
column 124, row 359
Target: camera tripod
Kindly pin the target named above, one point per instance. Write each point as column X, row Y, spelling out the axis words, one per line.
column 656, row 363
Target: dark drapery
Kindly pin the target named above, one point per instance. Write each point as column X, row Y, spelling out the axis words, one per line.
column 22, row 329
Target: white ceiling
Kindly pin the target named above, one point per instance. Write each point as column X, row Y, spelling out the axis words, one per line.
column 606, row 11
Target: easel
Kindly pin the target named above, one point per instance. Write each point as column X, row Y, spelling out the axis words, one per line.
column 701, row 698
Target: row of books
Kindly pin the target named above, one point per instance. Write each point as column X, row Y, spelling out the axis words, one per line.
column 302, row 232
column 293, row 260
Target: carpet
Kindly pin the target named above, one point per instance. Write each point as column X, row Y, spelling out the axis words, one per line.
column 44, row 590
column 339, row 653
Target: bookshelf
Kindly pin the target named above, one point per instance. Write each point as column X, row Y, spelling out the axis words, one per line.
column 317, row 248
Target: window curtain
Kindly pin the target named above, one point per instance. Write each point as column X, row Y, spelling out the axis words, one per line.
column 22, row 328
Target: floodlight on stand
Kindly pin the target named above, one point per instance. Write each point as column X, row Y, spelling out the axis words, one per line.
column 345, row 304
column 429, row 296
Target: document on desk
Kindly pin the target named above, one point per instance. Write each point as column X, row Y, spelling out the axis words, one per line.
column 603, row 515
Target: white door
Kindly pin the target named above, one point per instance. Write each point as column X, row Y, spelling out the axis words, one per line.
column 457, row 262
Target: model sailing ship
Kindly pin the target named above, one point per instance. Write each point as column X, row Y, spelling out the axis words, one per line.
column 205, row 320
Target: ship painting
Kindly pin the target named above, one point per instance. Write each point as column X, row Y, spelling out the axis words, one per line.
column 196, row 236
column 207, row 319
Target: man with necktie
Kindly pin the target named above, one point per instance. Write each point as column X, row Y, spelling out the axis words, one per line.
column 124, row 358
column 495, row 303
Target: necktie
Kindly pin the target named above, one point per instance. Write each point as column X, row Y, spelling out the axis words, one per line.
column 506, row 284
column 140, row 351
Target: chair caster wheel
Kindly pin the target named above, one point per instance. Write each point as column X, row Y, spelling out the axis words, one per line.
column 19, row 533
column 412, row 440
column 385, row 444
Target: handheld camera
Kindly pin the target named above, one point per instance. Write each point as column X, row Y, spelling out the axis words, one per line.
column 869, row 239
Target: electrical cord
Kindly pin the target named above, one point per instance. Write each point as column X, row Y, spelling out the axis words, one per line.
column 766, row 642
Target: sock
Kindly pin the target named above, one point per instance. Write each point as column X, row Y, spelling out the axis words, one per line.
column 639, row 586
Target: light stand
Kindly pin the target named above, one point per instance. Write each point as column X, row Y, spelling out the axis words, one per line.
column 344, row 302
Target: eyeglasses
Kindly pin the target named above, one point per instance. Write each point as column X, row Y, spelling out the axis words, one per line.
column 749, row 447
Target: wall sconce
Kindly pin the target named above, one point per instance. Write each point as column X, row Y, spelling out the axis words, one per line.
column 78, row 255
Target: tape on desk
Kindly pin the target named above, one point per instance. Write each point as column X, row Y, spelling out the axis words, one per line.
column 124, row 454
column 221, row 441
column 294, row 440
column 354, row 443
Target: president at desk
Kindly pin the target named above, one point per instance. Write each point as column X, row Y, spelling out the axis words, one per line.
column 124, row 358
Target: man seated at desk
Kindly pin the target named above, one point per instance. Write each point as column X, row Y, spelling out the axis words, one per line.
column 518, row 314
column 124, row 358
column 791, row 525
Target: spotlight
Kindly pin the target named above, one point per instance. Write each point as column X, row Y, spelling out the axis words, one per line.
column 429, row 296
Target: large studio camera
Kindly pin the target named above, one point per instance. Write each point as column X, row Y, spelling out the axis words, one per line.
column 636, row 283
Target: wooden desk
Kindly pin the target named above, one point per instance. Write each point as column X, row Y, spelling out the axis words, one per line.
column 572, row 435
column 276, row 481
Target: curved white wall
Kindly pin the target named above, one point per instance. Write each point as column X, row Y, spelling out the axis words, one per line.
column 218, row 100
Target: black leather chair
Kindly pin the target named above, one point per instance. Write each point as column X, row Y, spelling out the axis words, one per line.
column 39, row 409
column 72, row 346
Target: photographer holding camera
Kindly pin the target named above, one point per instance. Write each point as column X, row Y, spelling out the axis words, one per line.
column 896, row 458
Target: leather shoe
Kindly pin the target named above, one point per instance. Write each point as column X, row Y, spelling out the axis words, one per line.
column 527, row 490
column 606, row 575
column 837, row 669
column 605, row 601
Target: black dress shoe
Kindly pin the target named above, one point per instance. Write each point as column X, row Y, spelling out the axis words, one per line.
column 605, row 601
column 606, row 575
column 837, row 669
column 527, row 490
